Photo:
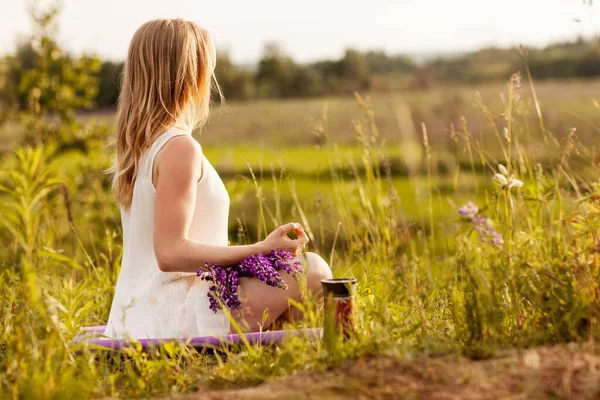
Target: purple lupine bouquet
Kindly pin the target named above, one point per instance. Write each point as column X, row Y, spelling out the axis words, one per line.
column 265, row 268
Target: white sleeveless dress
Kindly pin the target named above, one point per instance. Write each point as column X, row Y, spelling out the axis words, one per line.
column 149, row 303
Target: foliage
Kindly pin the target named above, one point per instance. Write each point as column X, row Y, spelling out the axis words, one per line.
column 45, row 84
column 108, row 88
column 236, row 82
column 425, row 284
column 277, row 75
column 577, row 59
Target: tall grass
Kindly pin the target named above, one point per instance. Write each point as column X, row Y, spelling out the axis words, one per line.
column 428, row 285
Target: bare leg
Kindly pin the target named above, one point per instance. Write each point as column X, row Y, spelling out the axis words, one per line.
column 315, row 269
column 256, row 297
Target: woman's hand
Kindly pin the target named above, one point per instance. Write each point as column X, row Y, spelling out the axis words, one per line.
column 279, row 239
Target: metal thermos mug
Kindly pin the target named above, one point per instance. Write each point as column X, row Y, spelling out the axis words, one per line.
column 339, row 310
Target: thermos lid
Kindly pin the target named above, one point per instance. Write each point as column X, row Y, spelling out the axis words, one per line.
column 339, row 287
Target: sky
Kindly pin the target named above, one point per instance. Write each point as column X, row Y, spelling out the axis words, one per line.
column 308, row 30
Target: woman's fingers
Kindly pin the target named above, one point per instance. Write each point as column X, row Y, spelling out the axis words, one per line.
column 295, row 246
column 300, row 232
column 290, row 226
column 300, row 242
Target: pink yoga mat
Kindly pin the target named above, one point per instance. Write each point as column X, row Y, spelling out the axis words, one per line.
column 90, row 336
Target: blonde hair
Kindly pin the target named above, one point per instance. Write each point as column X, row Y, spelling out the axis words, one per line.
column 166, row 82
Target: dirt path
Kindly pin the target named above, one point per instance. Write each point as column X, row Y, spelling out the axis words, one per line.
column 552, row 372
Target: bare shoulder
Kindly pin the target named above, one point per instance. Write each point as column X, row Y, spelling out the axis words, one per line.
column 181, row 154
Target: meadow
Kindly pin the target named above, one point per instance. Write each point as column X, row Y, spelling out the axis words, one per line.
column 380, row 183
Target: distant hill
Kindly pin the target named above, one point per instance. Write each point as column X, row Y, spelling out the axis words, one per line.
column 278, row 75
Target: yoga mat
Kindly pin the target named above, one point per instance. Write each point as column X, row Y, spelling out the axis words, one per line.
column 90, row 336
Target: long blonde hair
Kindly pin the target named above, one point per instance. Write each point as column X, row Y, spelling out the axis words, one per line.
column 166, row 81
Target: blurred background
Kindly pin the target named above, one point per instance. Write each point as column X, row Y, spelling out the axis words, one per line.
column 298, row 78
column 371, row 123
column 280, row 64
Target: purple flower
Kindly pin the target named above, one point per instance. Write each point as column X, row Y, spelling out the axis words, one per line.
column 497, row 239
column 468, row 211
column 483, row 226
column 515, row 80
column 225, row 281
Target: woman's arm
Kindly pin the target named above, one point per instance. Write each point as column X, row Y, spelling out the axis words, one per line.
column 178, row 168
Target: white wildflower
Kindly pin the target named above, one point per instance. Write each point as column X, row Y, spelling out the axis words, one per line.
column 515, row 183
column 505, row 181
column 500, row 180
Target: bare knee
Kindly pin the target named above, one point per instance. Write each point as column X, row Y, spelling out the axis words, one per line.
column 316, row 269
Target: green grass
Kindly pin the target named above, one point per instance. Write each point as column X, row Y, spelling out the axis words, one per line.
column 300, row 159
column 428, row 282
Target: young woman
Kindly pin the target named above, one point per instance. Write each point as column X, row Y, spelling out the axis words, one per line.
column 174, row 206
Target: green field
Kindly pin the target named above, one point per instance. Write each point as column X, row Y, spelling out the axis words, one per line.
column 277, row 124
column 272, row 137
column 380, row 200
column 288, row 122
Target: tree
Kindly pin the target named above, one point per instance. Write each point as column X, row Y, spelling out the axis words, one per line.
column 347, row 75
column 108, row 80
column 46, row 82
column 276, row 73
column 235, row 82
column 378, row 62
column 354, row 69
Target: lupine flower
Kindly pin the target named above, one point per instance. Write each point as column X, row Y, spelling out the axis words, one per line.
column 486, row 231
column 505, row 181
column 483, row 226
column 225, row 281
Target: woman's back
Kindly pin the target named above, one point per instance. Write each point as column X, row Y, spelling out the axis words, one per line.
column 175, row 222
column 149, row 303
